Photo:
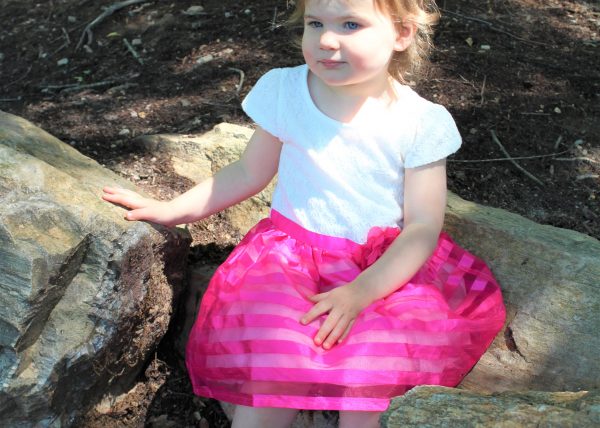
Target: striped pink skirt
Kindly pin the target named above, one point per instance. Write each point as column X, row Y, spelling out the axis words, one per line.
column 248, row 346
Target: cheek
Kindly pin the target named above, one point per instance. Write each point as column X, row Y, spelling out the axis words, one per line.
column 306, row 50
column 365, row 53
column 374, row 59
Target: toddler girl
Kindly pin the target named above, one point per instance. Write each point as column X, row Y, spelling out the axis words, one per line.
column 348, row 294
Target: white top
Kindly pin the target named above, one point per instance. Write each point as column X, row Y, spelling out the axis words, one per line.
column 341, row 179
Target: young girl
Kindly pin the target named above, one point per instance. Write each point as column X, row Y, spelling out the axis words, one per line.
column 348, row 295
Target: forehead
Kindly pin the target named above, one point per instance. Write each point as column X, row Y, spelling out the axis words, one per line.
column 348, row 7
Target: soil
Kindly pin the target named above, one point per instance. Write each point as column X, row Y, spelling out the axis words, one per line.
column 525, row 70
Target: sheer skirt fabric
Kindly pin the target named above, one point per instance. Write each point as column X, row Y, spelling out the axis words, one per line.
column 248, row 347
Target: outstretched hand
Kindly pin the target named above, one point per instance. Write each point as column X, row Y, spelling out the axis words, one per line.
column 141, row 208
column 343, row 304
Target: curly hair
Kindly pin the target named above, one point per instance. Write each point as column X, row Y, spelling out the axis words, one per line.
column 424, row 14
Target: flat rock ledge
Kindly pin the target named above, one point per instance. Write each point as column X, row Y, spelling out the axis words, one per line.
column 439, row 407
column 84, row 295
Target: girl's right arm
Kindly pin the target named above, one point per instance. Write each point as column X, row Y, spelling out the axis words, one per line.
column 232, row 184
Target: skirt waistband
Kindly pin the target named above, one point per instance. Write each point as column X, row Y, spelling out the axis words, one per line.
column 314, row 239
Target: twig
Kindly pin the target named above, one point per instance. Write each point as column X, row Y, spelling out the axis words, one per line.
column 20, row 78
column 549, row 155
column 71, row 87
column 238, row 87
column 519, row 167
column 67, row 38
column 491, row 27
column 131, row 49
column 51, row 11
column 65, row 44
column 483, row 90
column 87, row 31
column 274, row 21
column 210, row 103
column 578, row 158
column 584, row 176
column 7, row 100
column 558, row 141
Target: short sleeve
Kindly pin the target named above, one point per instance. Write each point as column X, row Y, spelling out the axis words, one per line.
column 436, row 137
column 262, row 102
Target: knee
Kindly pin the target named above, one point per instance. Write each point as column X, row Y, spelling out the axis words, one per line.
column 352, row 419
column 260, row 417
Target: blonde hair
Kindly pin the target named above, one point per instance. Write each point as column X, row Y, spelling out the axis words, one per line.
column 424, row 14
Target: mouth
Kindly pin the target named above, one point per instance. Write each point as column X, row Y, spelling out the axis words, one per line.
column 329, row 63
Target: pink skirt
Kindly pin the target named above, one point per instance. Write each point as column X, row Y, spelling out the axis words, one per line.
column 248, row 347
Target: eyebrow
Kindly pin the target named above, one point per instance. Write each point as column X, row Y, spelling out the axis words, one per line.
column 342, row 18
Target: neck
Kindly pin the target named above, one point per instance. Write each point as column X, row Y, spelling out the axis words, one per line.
column 381, row 89
column 344, row 102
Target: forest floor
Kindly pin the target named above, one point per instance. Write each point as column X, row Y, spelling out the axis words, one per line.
column 527, row 71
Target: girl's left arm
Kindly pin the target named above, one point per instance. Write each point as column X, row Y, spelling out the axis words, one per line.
column 424, row 207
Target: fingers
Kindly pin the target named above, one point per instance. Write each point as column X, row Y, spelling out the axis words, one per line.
column 118, row 191
column 124, row 197
column 318, row 297
column 139, row 214
column 329, row 326
column 334, row 335
column 342, row 307
column 350, row 324
column 315, row 312
column 334, row 329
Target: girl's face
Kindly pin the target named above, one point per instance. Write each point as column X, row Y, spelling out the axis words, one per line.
column 348, row 42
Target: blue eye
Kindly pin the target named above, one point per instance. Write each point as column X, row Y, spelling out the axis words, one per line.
column 351, row 25
column 314, row 24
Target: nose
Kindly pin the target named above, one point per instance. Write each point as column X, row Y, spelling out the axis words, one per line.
column 328, row 41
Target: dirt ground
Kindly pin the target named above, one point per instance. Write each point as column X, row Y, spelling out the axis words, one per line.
column 526, row 71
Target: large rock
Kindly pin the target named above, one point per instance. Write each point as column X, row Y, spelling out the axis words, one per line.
column 550, row 278
column 84, row 295
column 438, row 407
column 198, row 157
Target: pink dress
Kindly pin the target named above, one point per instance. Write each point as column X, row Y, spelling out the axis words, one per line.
column 336, row 209
column 248, row 347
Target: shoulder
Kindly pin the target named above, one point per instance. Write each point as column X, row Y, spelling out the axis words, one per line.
column 435, row 132
column 282, row 75
column 423, row 110
column 267, row 102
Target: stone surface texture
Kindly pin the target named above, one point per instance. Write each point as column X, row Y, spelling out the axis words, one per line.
column 437, row 407
column 84, row 295
column 550, row 278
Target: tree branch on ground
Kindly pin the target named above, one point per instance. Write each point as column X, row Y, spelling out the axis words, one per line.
column 87, row 31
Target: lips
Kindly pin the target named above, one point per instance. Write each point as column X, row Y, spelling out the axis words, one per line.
column 331, row 64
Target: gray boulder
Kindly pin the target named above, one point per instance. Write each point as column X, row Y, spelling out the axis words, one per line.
column 550, row 278
column 84, row 295
column 438, row 407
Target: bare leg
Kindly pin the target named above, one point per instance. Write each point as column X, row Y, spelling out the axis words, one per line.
column 350, row 419
column 261, row 417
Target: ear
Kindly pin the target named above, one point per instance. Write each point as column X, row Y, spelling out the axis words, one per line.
column 405, row 34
